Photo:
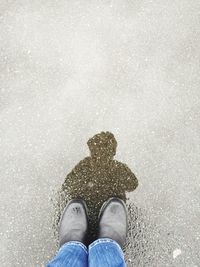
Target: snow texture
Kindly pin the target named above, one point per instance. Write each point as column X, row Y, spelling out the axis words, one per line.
column 71, row 69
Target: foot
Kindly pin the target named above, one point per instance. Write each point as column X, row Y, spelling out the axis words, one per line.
column 113, row 221
column 74, row 222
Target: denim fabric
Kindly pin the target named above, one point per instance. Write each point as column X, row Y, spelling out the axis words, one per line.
column 103, row 252
column 71, row 254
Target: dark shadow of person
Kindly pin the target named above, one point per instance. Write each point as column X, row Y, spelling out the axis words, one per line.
column 99, row 177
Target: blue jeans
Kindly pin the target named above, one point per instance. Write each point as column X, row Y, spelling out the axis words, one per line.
column 103, row 252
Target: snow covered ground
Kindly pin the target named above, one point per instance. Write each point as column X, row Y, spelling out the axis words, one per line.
column 71, row 69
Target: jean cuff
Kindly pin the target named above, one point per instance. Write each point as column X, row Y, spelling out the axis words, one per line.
column 74, row 243
column 106, row 240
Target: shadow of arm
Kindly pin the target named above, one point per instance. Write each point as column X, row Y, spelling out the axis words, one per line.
column 130, row 179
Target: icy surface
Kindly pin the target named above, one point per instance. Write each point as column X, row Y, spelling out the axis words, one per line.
column 70, row 69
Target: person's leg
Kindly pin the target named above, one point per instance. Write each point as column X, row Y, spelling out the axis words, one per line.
column 106, row 251
column 72, row 234
column 71, row 254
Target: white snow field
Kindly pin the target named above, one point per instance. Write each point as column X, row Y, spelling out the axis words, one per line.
column 71, row 69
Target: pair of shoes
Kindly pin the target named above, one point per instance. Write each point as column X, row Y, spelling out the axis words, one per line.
column 112, row 221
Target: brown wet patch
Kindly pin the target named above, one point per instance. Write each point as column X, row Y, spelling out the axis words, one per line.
column 97, row 178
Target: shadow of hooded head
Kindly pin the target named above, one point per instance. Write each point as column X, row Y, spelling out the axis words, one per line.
column 102, row 147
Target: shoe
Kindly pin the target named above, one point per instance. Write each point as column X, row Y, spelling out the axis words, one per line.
column 113, row 221
column 74, row 222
